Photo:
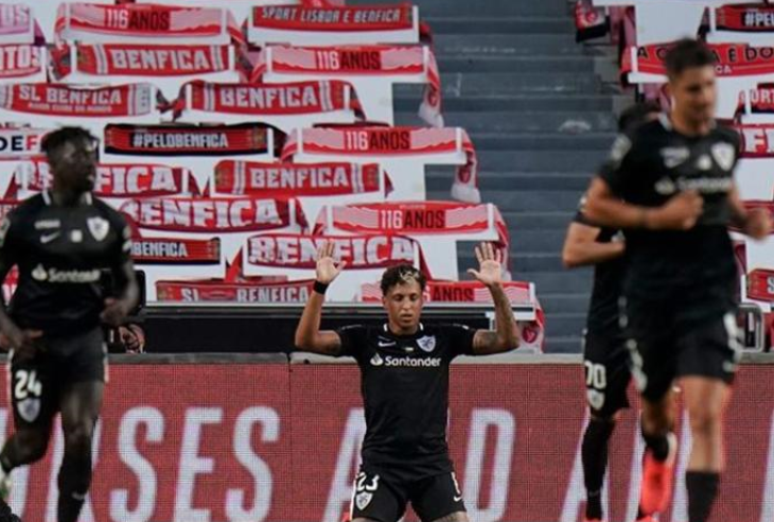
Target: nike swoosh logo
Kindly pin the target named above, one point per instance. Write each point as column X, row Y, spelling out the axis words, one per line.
column 49, row 237
column 385, row 345
column 457, row 499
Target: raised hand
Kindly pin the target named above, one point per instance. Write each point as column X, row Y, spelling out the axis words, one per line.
column 489, row 265
column 327, row 268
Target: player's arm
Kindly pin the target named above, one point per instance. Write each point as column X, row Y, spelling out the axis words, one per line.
column 127, row 291
column 755, row 223
column 581, row 247
column 506, row 336
column 308, row 337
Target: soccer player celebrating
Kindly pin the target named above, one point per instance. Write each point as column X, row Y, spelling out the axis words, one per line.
column 670, row 186
column 405, row 385
column 606, row 359
column 62, row 241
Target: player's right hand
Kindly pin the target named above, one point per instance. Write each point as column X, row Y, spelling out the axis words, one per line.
column 21, row 341
column 679, row 213
column 327, row 268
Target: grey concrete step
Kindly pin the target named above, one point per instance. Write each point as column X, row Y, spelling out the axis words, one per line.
column 541, row 161
column 513, row 44
column 565, row 324
column 518, row 180
column 538, row 220
column 553, row 282
column 525, row 201
column 599, row 141
column 475, row 24
column 487, row 8
column 488, row 63
column 407, row 98
column 564, row 303
column 506, row 121
column 455, row 85
column 562, row 344
column 529, row 262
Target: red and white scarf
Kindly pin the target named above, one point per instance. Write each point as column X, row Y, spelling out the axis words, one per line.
column 20, row 143
column 332, row 18
column 62, row 100
column 21, row 61
column 120, row 180
column 273, row 180
column 761, row 99
column 78, row 20
column 215, row 215
column 757, row 18
column 732, row 59
column 250, row 290
column 390, row 142
column 425, row 217
column 187, row 140
column 15, row 20
column 175, row 251
column 123, row 59
column 760, row 285
column 373, row 60
column 295, row 251
column 312, row 97
column 757, row 141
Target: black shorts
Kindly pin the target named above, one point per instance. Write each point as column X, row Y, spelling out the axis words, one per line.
column 37, row 381
column 665, row 345
column 382, row 492
column 606, row 365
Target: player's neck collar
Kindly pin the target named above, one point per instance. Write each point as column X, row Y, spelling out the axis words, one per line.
column 386, row 328
column 85, row 198
column 666, row 121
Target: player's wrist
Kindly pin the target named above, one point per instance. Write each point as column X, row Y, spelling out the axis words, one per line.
column 646, row 220
column 320, row 287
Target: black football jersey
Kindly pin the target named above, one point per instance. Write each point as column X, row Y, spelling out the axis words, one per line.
column 62, row 253
column 405, row 388
column 649, row 167
column 608, row 281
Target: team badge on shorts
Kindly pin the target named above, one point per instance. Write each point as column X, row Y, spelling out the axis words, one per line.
column 98, row 227
column 29, row 409
column 427, row 343
column 362, row 499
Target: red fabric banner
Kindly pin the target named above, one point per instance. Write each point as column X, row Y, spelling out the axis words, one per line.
column 295, row 179
column 213, row 215
column 62, row 100
column 14, row 19
column 186, row 140
column 745, row 18
column 20, row 143
column 163, row 250
column 757, row 140
column 761, row 99
column 146, row 20
column 273, row 443
column 120, row 180
column 458, row 292
column 360, row 252
column 331, row 18
column 247, row 291
column 311, row 97
column 141, row 60
column 732, row 59
column 369, row 60
column 20, row 61
column 390, row 142
column 760, row 285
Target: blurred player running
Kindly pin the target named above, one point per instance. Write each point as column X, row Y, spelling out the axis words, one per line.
column 62, row 241
column 405, row 385
column 606, row 359
column 670, row 185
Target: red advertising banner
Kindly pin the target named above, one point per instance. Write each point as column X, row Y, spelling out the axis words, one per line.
column 263, row 443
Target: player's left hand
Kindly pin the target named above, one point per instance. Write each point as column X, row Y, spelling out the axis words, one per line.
column 115, row 311
column 490, row 265
column 758, row 225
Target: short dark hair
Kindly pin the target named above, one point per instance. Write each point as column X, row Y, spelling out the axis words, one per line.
column 636, row 115
column 399, row 274
column 56, row 139
column 687, row 54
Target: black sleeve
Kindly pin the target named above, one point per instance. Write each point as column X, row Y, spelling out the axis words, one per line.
column 352, row 340
column 614, row 171
column 460, row 339
column 10, row 235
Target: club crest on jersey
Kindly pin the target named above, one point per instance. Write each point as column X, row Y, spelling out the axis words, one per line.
column 427, row 343
column 673, row 156
column 377, row 360
column 724, row 154
column 362, row 499
column 29, row 409
column 99, row 227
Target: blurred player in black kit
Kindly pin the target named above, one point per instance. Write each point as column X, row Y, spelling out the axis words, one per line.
column 62, row 241
column 669, row 184
column 605, row 356
column 405, row 385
